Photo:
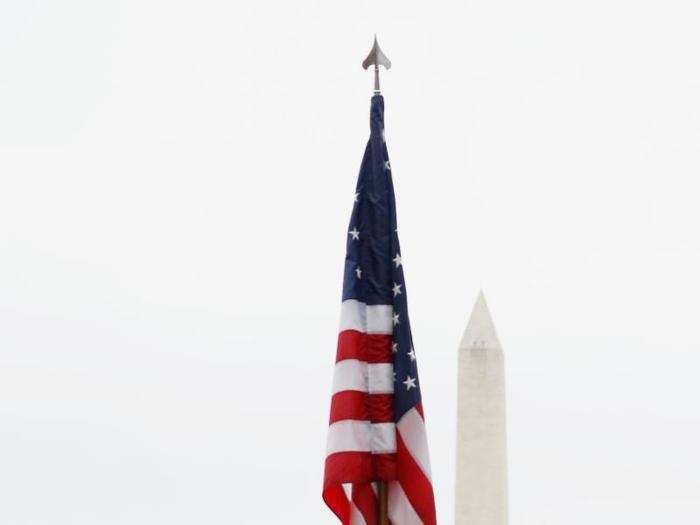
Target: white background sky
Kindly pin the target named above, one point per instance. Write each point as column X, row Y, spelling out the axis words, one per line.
column 175, row 184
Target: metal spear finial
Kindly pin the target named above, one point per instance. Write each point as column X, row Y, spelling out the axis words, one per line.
column 377, row 57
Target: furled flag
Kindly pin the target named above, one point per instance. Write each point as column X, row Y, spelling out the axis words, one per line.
column 377, row 432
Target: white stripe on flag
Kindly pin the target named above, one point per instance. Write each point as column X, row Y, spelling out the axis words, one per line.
column 412, row 430
column 383, row 438
column 350, row 374
column 381, row 378
column 350, row 435
column 372, row 319
column 356, row 517
column 400, row 509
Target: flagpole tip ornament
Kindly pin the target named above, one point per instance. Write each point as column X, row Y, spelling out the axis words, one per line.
column 377, row 58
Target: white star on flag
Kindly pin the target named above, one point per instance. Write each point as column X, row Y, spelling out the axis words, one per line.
column 396, row 289
column 397, row 260
column 358, row 271
column 396, row 319
column 355, row 234
column 394, row 347
column 410, row 382
column 412, row 354
column 387, row 165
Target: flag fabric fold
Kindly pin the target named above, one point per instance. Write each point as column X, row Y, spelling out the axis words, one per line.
column 376, row 428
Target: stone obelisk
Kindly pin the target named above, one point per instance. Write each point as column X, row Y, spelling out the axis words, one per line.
column 482, row 473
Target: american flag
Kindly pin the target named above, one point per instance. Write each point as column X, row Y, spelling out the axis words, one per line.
column 377, row 429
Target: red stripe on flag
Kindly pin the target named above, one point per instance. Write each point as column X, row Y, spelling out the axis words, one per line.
column 337, row 501
column 365, row 500
column 381, row 408
column 349, row 404
column 417, row 487
column 349, row 345
column 348, row 467
column 384, row 466
column 419, row 409
column 371, row 348
column 378, row 349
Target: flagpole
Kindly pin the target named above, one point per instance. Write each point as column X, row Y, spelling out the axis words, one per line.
column 377, row 58
column 383, row 496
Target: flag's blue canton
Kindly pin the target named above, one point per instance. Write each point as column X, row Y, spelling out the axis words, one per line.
column 373, row 266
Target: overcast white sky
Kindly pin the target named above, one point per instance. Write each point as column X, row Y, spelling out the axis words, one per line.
column 175, row 184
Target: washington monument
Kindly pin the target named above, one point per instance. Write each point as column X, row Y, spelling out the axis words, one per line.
column 482, row 477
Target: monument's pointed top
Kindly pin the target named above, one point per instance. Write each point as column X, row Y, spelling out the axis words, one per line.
column 480, row 331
